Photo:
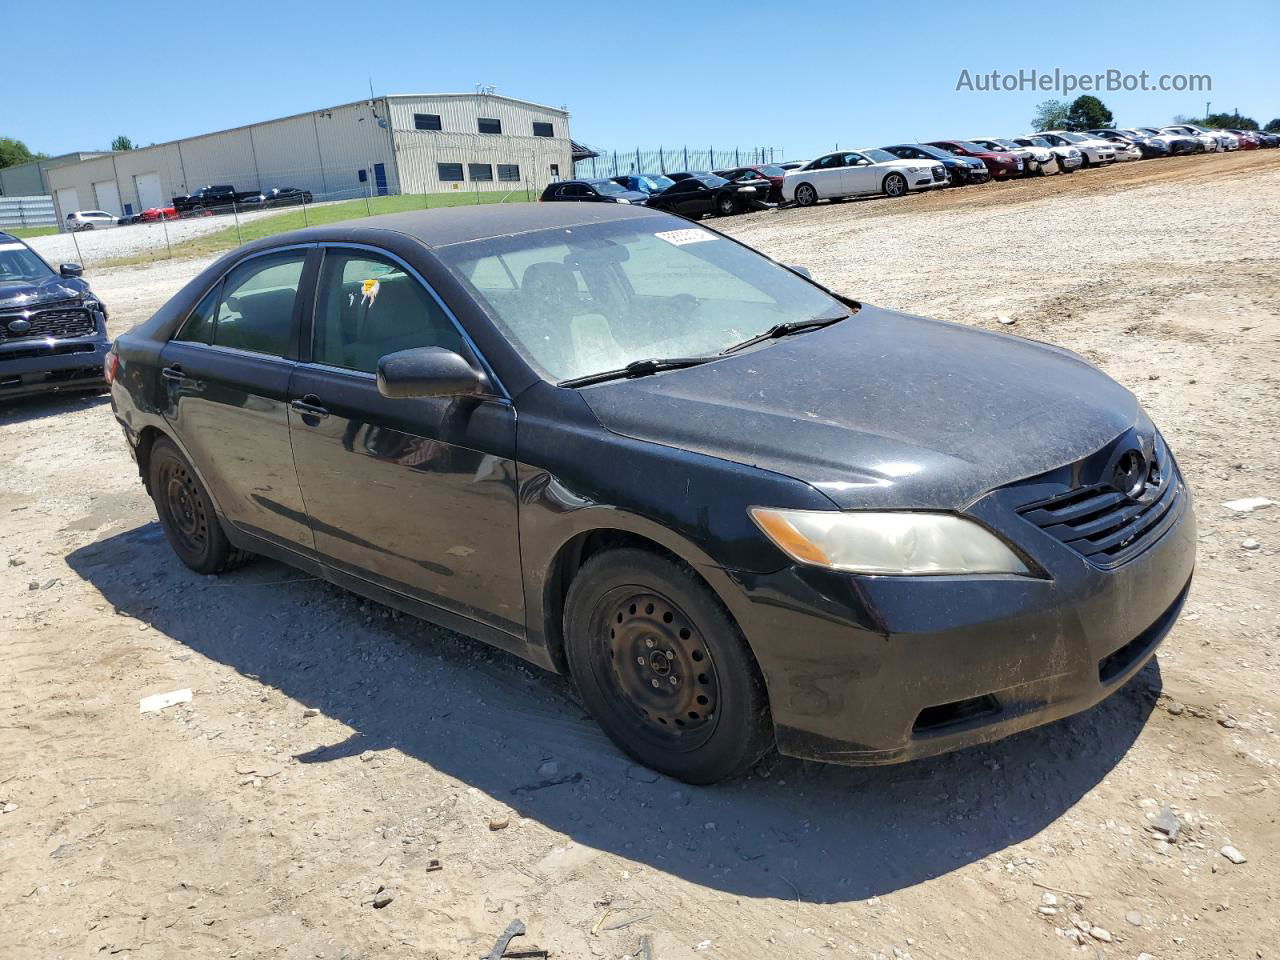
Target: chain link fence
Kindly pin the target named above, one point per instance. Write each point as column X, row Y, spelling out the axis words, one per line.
column 163, row 233
column 616, row 163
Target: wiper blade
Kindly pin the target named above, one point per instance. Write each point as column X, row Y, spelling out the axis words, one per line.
column 784, row 330
column 638, row 368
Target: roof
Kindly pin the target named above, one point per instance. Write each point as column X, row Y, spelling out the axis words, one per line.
column 449, row 225
column 493, row 96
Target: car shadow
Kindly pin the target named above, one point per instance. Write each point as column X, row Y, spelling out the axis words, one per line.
column 791, row 830
column 40, row 406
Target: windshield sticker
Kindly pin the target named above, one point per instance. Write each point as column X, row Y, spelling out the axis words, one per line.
column 679, row 238
column 369, row 292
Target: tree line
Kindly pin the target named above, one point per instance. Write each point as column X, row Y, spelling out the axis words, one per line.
column 1089, row 113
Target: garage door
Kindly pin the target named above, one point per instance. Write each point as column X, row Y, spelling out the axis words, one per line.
column 149, row 194
column 68, row 201
column 108, row 195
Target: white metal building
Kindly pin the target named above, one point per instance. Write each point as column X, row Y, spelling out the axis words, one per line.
column 404, row 143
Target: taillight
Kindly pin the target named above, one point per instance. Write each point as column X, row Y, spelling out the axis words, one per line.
column 110, row 364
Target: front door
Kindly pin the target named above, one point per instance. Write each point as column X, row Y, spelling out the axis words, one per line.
column 227, row 376
column 859, row 175
column 416, row 495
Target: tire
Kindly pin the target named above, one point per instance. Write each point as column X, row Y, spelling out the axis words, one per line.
column 894, row 185
column 806, row 195
column 87, row 226
column 664, row 669
column 726, row 205
column 186, row 513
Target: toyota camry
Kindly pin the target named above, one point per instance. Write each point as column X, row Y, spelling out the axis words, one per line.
column 740, row 510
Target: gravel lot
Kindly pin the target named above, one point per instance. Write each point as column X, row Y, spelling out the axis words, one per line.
column 333, row 748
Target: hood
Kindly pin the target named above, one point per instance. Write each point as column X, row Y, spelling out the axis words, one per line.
column 25, row 294
column 632, row 196
column 881, row 410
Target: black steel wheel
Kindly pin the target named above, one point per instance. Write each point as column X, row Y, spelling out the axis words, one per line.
column 895, row 185
column 186, row 513
column 663, row 668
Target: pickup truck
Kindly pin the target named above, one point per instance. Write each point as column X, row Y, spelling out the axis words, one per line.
column 210, row 197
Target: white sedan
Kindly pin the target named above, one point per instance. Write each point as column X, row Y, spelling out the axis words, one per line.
column 1093, row 152
column 854, row 173
column 90, row 220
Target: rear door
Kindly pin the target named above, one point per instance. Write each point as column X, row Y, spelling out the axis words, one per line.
column 858, row 174
column 416, row 495
column 825, row 175
column 227, row 376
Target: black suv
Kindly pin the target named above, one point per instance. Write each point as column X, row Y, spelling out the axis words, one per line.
column 53, row 330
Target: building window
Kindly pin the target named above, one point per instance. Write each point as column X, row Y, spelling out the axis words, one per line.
column 543, row 130
column 555, row 171
column 489, row 126
column 449, row 172
column 426, row 121
column 480, row 171
column 363, row 175
column 508, row 171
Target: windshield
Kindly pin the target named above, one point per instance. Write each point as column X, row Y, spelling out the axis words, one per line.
column 1073, row 138
column 1006, row 144
column 607, row 188
column 653, row 184
column 971, row 147
column 18, row 263
column 597, row 297
column 879, row 156
column 772, row 171
column 1037, row 141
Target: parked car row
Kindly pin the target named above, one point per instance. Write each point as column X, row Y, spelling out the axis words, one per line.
column 903, row 168
column 201, row 202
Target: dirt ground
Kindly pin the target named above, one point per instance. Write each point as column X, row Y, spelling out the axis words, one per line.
column 334, row 750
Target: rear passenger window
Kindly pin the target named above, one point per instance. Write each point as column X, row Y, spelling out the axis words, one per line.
column 198, row 327
column 369, row 307
column 255, row 312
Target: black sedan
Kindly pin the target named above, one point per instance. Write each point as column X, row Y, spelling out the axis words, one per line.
column 961, row 171
column 592, row 191
column 706, row 193
column 53, row 328
column 279, row 197
column 738, row 509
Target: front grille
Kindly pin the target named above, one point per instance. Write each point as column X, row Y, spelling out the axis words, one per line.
column 1108, row 527
column 940, row 173
column 57, row 323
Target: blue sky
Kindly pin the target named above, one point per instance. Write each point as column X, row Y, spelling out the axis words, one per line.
column 800, row 76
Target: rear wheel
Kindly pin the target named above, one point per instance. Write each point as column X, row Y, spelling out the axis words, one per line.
column 663, row 668
column 187, row 515
column 895, row 185
column 806, row 195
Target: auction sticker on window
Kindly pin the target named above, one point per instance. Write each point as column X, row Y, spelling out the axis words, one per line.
column 681, row 237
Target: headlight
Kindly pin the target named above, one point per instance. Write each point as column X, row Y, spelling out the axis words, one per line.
column 914, row 169
column 895, row 544
column 621, row 200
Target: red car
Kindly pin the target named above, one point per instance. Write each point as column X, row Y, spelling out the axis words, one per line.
column 1002, row 164
column 152, row 214
column 768, row 171
column 1248, row 139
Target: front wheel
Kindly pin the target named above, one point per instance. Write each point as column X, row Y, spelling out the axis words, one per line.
column 895, row 185
column 186, row 513
column 663, row 668
column 806, row 195
column 727, row 206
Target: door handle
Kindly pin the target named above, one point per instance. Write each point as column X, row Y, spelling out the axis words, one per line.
column 309, row 406
column 173, row 373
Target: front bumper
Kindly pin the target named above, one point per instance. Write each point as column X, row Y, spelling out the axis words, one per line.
column 30, row 367
column 875, row 670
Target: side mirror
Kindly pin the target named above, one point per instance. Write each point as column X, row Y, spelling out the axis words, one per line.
column 70, row 269
column 429, row 372
column 803, row 271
